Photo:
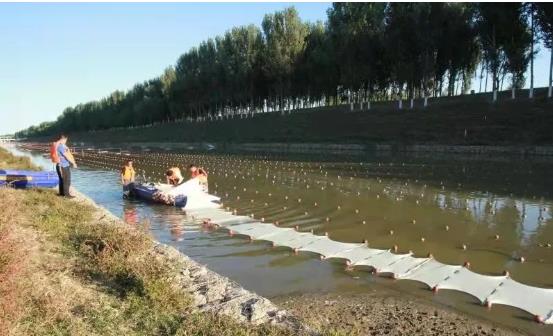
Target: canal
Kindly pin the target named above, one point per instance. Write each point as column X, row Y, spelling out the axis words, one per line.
column 495, row 212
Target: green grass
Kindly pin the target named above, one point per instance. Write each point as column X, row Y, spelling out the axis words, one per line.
column 9, row 161
column 444, row 121
column 123, row 287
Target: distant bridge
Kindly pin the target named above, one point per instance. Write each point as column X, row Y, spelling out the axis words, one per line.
column 7, row 138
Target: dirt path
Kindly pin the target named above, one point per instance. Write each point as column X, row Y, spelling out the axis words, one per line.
column 378, row 313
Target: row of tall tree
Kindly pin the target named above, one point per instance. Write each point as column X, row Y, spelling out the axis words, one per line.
column 365, row 51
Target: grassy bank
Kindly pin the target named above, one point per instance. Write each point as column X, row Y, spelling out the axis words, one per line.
column 461, row 120
column 8, row 161
column 66, row 270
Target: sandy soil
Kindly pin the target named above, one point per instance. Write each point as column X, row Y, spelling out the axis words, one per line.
column 378, row 313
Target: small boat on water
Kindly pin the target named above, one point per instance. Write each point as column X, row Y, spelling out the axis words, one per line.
column 22, row 179
column 189, row 195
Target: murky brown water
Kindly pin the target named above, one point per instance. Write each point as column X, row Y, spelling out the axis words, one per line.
column 489, row 211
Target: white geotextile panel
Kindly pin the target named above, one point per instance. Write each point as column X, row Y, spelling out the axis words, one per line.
column 382, row 260
column 294, row 239
column 217, row 218
column 234, row 220
column 431, row 272
column 303, row 241
column 257, row 230
column 534, row 300
column 327, row 247
column 276, row 233
column 251, row 228
column 207, row 212
column 357, row 254
column 283, row 237
column 495, row 289
column 478, row 285
column 212, row 214
column 403, row 266
column 266, row 234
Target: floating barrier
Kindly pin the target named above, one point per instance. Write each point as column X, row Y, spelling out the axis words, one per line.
column 22, row 179
column 488, row 290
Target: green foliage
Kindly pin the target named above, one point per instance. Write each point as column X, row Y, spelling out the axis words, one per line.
column 505, row 39
column 364, row 51
column 544, row 15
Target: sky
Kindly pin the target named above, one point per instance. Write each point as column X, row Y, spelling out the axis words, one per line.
column 57, row 55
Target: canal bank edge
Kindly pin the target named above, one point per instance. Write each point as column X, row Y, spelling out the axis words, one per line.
column 326, row 148
column 210, row 291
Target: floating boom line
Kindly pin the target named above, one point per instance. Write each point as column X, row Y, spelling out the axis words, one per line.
column 488, row 290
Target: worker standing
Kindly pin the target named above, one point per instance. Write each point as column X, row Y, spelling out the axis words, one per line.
column 56, row 161
column 66, row 161
column 127, row 173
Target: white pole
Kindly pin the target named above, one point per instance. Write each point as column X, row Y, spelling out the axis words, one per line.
column 494, row 96
column 513, row 93
column 400, row 104
column 425, row 101
column 412, row 103
column 550, row 91
column 368, row 105
column 351, row 106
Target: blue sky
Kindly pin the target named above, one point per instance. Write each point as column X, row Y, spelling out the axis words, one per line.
column 58, row 55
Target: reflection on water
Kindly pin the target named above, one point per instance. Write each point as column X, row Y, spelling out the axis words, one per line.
column 490, row 212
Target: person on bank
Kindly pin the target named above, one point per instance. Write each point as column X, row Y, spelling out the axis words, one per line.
column 66, row 160
column 56, row 161
column 174, row 176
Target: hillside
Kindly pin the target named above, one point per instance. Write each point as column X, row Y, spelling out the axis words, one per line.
column 460, row 120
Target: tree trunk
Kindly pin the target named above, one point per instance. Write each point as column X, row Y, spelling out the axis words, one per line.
column 550, row 91
column 481, row 77
column 486, row 83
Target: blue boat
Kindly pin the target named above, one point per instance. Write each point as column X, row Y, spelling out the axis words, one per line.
column 23, row 179
column 150, row 193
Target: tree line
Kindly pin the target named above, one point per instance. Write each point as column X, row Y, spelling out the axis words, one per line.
column 363, row 52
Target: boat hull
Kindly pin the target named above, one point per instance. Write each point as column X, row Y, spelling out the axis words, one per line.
column 24, row 179
column 152, row 194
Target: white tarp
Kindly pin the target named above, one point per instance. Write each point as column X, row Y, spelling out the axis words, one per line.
column 382, row 260
column 327, row 247
column 431, row 272
column 207, row 213
column 254, row 230
column 357, row 254
column 478, row 285
column 196, row 197
column 492, row 289
column 534, row 300
column 215, row 217
column 294, row 239
column 403, row 266
column 234, row 220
